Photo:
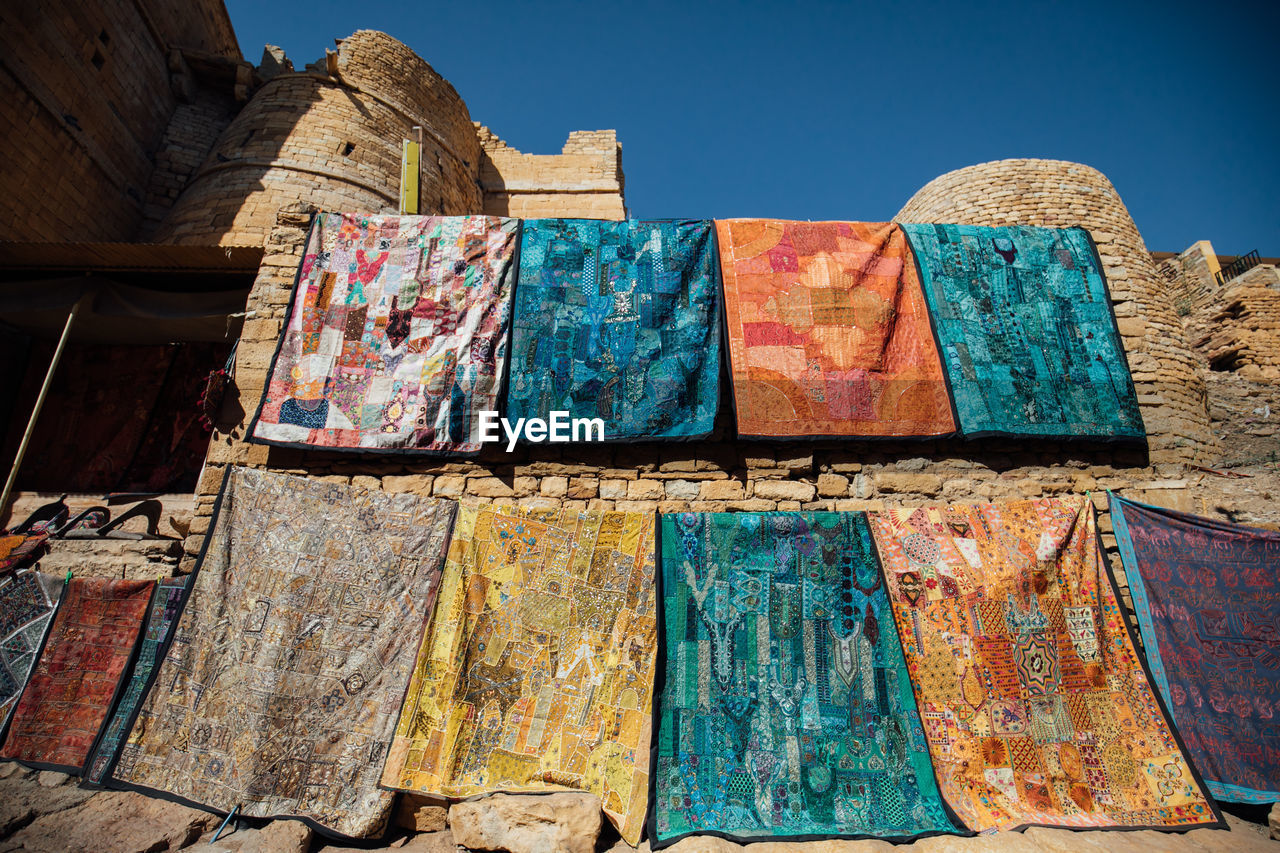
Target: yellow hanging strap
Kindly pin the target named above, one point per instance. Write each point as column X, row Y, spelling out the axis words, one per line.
column 410, row 159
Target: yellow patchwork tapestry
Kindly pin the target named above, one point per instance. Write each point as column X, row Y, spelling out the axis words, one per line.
column 536, row 673
column 1036, row 707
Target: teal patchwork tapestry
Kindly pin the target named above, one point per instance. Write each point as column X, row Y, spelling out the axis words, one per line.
column 786, row 710
column 1026, row 331
column 618, row 321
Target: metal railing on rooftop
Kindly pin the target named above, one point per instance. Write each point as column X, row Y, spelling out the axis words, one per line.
column 1238, row 267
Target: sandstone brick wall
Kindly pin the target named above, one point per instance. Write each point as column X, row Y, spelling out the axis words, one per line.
column 334, row 142
column 204, row 26
column 87, row 100
column 1240, row 330
column 1191, row 277
column 584, row 180
column 193, row 130
column 1056, row 193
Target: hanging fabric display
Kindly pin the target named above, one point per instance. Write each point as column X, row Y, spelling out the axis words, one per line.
column 536, row 673
column 279, row 688
column 396, row 337
column 1027, row 333
column 1037, row 708
column 1208, row 605
column 27, row 601
column 74, row 684
column 828, row 333
column 786, row 711
column 618, row 321
column 165, row 604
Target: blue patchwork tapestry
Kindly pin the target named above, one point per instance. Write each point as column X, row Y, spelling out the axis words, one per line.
column 1026, row 331
column 787, row 710
column 1207, row 597
column 618, row 321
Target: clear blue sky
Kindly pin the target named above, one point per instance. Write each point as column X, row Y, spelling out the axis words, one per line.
column 843, row 110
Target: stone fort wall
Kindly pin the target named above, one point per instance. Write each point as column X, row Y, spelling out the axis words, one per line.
column 90, row 89
column 141, row 121
column 330, row 136
column 333, row 140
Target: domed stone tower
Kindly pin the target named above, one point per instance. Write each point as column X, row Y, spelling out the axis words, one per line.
column 332, row 139
column 1058, row 193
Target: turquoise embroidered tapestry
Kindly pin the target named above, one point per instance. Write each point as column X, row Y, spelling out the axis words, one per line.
column 1026, row 331
column 618, row 321
column 786, row 711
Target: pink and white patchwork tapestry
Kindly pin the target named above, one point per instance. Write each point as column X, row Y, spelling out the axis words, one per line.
column 396, row 337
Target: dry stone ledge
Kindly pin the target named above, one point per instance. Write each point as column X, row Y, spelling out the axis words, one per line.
column 110, row 822
column 23, row 799
column 528, row 823
column 279, row 836
column 421, row 814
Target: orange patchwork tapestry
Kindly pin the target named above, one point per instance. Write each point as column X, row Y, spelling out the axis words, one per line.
column 828, row 331
column 1037, row 708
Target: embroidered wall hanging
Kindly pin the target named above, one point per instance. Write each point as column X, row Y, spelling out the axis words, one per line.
column 618, row 321
column 786, row 711
column 279, row 689
column 165, row 604
column 536, row 672
column 1027, row 334
column 396, row 337
column 828, row 333
column 1208, row 607
column 74, row 684
column 1037, row 708
column 19, row 549
column 27, row 601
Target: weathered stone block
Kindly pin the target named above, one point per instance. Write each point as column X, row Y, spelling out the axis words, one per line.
column 613, row 489
column 550, row 823
column 722, row 490
column 449, row 486
column 583, row 488
column 684, row 490
column 645, row 490
column 784, row 490
column 894, row 481
column 832, row 485
column 555, row 487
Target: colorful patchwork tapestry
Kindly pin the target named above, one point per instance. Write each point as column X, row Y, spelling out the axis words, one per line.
column 1026, row 331
column 75, row 683
column 166, row 603
column 397, row 334
column 27, row 600
column 1036, row 706
column 618, row 321
column 536, row 673
column 280, row 686
column 1208, row 607
column 18, row 549
column 828, row 332
column 786, row 711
